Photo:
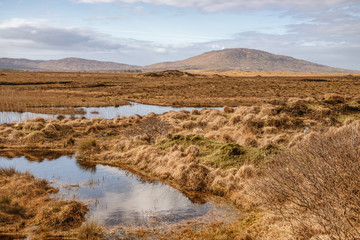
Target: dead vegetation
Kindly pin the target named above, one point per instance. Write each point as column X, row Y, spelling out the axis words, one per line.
column 315, row 184
column 295, row 138
column 27, row 209
column 46, row 92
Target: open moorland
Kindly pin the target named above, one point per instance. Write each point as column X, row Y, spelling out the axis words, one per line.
column 43, row 91
column 286, row 156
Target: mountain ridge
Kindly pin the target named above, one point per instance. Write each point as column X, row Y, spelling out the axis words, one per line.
column 233, row 59
column 71, row 64
column 243, row 59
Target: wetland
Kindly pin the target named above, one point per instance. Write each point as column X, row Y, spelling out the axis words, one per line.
column 211, row 173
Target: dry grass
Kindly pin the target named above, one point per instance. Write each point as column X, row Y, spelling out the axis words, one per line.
column 307, row 123
column 39, row 91
column 86, row 145
column 91, row 230
column 26, row 207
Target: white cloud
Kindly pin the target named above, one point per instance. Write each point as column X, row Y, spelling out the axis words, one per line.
column 17, row 22
column 38, row 33
column 220, row 5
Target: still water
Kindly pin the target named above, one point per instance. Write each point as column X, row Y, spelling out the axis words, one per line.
column 97, row 112
column 115, row 196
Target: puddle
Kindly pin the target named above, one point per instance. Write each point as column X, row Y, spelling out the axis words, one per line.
column 115, row 196
column 97, row 112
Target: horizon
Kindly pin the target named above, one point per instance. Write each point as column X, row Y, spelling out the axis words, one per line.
column 145, row 32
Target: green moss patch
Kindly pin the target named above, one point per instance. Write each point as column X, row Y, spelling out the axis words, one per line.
column 219, row 154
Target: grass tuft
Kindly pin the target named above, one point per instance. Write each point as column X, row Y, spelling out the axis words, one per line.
column 91, row 231
column 87, row 145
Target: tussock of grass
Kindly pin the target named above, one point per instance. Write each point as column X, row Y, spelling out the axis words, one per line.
column 91, row 231
column 218, row 154
column 61, row 215
column 87, row 145
column 26, row 207
column 8, row 172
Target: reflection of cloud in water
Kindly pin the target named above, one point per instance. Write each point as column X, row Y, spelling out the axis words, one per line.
column 95, row 112
column 116, row 196
column 143, row 202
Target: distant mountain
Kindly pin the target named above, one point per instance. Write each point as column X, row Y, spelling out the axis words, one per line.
column 242, row 59
column 237, row 59
column 65, row 65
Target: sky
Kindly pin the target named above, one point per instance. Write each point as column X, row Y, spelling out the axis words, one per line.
column 142, row 32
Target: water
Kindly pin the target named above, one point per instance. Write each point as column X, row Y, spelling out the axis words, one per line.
column 97, row 112
column 115, row 196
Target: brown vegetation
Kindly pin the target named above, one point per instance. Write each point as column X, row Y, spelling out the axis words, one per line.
column 27, row 209
column 315, row 184
column 46, row 92
column 294, row 138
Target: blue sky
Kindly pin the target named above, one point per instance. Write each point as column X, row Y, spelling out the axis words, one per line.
column 143, row 32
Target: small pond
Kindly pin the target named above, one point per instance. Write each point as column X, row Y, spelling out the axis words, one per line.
column 115, row 196
column 97, row 112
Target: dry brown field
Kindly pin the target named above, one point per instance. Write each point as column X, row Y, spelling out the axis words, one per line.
column 39, row 91
column 287, row 157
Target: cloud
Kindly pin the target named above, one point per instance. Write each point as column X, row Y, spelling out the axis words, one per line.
column 335, row 43
column 221, row 5
column 35, row 39
column 40, row 34
column 329, row 37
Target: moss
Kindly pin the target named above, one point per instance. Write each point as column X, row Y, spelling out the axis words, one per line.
column 218, row 154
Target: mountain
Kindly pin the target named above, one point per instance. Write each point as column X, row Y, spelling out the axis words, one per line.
column 242, row 59
column 236, row 59
column 65, row 65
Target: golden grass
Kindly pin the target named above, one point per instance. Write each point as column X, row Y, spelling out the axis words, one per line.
column 27, row 209
column 46, row 91
column 221, row 152
column 91, row 230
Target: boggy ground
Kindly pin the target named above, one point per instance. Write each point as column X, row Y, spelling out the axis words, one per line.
column 279, row 162
column 46, row 92
column 26, row 209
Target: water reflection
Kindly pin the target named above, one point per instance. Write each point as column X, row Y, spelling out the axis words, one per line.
column 115, row 196
column 97, row 112
column 35, row 155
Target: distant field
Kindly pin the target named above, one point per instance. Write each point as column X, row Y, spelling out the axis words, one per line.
column 39, row 91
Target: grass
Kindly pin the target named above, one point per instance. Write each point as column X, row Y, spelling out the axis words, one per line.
column 219, row 154
column 26, row 207
column 86, row 144
column 46, row 91
column 211, row 151
column 91, row 230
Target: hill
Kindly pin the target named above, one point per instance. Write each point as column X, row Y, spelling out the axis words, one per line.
column 242, row 59
column 65, row 65
column 237, row 59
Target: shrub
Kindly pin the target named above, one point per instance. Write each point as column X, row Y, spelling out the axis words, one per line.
column 316, row 184
column 149, row 128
